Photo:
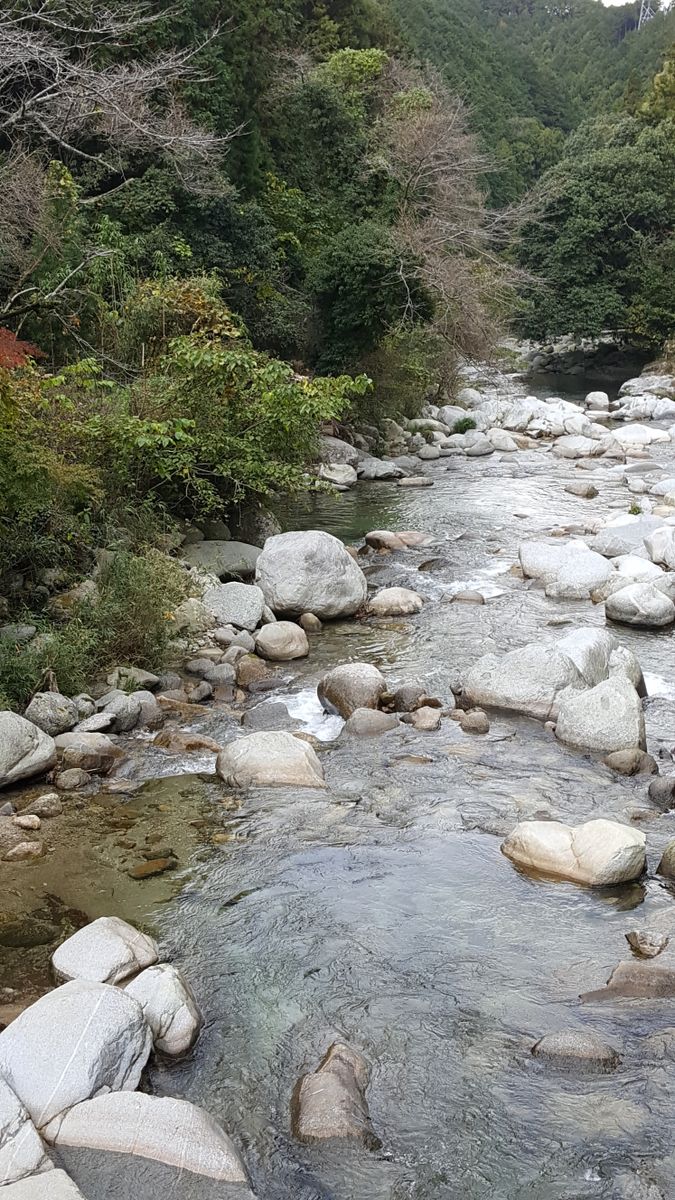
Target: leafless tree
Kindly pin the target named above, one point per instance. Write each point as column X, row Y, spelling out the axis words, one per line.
column 61, row 94
column 449, row 238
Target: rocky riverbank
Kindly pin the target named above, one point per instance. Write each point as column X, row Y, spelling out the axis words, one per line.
column 347, row 624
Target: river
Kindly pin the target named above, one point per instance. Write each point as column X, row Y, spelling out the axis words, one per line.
column 382, row 912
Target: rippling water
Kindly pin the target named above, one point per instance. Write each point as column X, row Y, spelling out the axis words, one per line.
column 382, row 911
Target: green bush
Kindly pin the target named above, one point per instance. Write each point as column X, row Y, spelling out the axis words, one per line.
column 463, row 425
column 129, row 623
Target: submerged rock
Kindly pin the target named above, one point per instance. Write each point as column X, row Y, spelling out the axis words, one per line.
column 169, row 1131
column 310, row 572
column 350, row 686
column 107, row 950
column 576, row 1046
column 474, row 721
column 395, row 602
column 331, row 1102
column 599, row 853
column 638, row 978
column 51, row 1066
column 25, row 750
column 666, row 866
column 645, row 943
column 269, row 759
column 631, row 762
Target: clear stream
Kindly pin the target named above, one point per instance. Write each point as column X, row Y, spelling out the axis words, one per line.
column 382, row 912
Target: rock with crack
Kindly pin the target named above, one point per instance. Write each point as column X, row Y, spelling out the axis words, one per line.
column 22, row 1151
column 599, row 853
column 331, row 1102
column 107, row 950
column 53, row 1185
column 169, row 1007
column 608, row 717
column 25, row 750
column 169, row 1131
column 270, row 759
column 74, row 1043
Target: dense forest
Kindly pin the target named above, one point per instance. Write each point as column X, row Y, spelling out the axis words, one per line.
column 219, row 232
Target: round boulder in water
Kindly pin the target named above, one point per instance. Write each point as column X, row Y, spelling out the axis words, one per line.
column 282, row 641
column 310, row 571
column 269, row 760
column 351, row 686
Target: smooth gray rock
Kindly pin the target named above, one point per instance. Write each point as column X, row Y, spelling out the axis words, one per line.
column 310, row 572
column 170, row 1131
column 339, row 474
column 369, row 722
column 625, row 536
column 75, row 1042
column 350, row 686
column 25, row 750
column 282, row 642
column 107, row 950
column 335, row 450
column 378, row 468
column 269, row 759
column 125, row 711
column 90, row 751
column 237, row 604
column 395, row 602
column 169, row 1007
column 134, row 678
column 568, row 570
column 52, row 712
column 151, row 715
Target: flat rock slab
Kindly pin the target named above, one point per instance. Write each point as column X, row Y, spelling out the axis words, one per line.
column 640, row 979
column 106, row 951
column 169, row 1131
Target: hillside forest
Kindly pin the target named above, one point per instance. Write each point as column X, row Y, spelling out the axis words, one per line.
column 224, row 227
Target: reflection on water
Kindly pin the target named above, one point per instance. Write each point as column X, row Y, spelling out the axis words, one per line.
column 382, row 911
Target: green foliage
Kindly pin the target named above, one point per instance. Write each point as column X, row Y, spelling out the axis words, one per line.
column 463, row 425
column 604, row 248
column 128, row 623
column 360, row 292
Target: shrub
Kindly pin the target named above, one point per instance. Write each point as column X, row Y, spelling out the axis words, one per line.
column 130, row 623
column 463, row 425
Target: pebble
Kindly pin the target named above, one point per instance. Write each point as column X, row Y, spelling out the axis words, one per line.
column 154, row 866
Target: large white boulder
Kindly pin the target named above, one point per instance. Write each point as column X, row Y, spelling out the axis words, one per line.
column 22, row 1151
column 310, row 572
column 74, row 1043
column 657, row 385
column 568, row 570
column 350, row 686
column 54, row 1185
column 169, row 1007
column 269, row 759
column 597, row 400
column 599, row 853
column 625, row 535
column 25, row 750
column 640, row 604
column 395, row 602
column 239, row 604
column 105, row 951
column 282, row 641
column 371, row 468
column 660, row 546
column 578, row 446
column 636, row 437
column 607, row 717
column 169, row 1131
column 339, row 474
column 645, row 408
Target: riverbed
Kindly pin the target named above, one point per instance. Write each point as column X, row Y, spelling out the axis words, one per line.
column 382, row 912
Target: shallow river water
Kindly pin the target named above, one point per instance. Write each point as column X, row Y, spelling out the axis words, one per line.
column 382, row 912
